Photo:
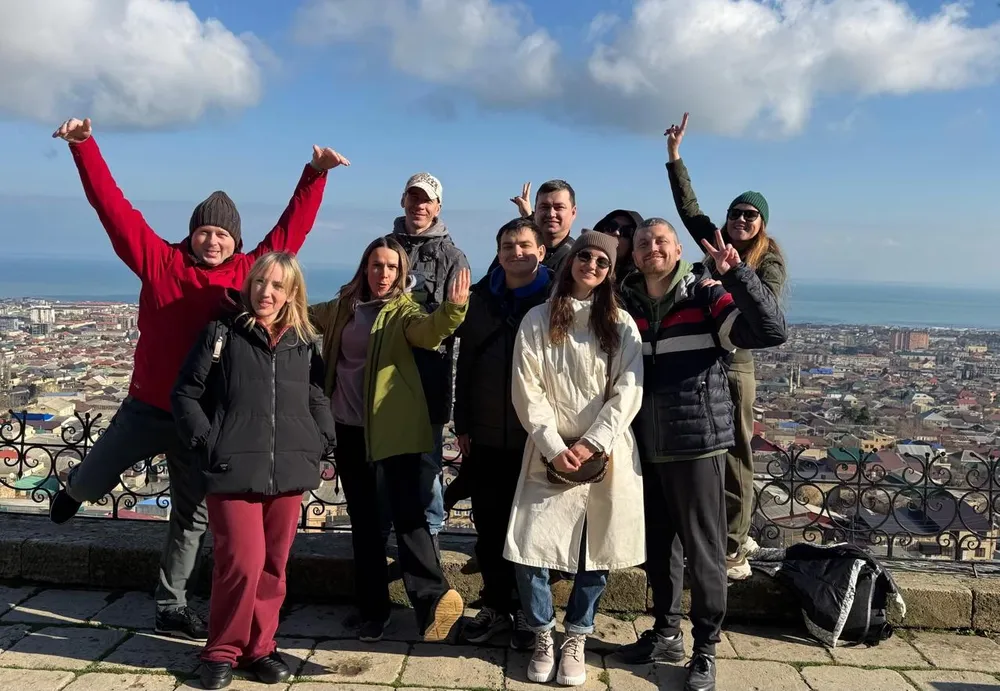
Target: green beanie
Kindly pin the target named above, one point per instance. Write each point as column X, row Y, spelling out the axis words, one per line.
column 754, row 199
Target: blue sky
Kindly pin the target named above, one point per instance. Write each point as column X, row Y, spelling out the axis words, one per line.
column 870, row 127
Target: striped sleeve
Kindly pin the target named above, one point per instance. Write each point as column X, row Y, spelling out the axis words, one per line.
column 724, row 314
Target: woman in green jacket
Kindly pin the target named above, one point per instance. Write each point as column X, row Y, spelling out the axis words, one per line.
column 746, row 229
column 381, row 417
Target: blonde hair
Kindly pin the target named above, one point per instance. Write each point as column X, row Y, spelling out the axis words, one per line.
column 294, row 314
column 358, row 290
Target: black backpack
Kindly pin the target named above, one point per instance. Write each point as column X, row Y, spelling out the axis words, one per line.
column 844, row 591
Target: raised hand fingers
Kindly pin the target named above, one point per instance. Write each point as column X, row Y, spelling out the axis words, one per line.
column 458, row 293
column 684, row 123
column 719, row 242
column 526, row 190
column 712, row 251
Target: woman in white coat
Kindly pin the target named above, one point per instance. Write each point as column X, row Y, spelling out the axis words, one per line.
column 564, row 389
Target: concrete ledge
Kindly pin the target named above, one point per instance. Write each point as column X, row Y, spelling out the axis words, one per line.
column 124, row 555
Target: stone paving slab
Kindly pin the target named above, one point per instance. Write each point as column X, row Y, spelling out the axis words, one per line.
column 937, row 680
column 609, row 633
column 241, row 684
column 150, row 653
column 58, row 607
column 296, row 652
column 352, row 661
column 838, row 678
column 100, row 681
column 34, row 679
column 131, row 611
column 955, row 651
column 780, row 645
column 723, row 650
column 643, row 677
column 320, row 686
column 11, row 596
column 61, row 647
column 318, row 621
column 9, row 635
column 454, row 667
column 516, row 673
column 894, row 652
column 745, row 675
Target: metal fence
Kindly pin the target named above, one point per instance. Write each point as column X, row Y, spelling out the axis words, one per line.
column 899, row 507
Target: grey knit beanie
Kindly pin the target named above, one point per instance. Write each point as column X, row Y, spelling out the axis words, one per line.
column 605, row 243
column 220, row 211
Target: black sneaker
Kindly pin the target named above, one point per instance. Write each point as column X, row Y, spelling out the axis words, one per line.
column 216, row 675
column 485, row 626
column 372, row 631
column 701, row 673
column 269, row 670
column 181, row 623
column 63, row 507
column 653, row 647
column 521, row 636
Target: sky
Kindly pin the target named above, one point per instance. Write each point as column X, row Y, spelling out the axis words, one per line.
column 871, row 126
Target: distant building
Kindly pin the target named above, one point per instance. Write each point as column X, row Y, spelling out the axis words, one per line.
column 907, row 340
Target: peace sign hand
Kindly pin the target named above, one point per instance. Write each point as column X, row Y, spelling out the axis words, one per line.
column 725, row 256
column 524, row 201
column 675, row 135
column 458, row 291
column 327, row 159
column 74, row 131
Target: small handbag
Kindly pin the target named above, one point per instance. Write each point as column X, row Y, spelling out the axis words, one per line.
column 593, row 469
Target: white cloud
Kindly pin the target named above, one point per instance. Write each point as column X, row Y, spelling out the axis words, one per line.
column 745, row 64
column 132, row 63
column 739, row 66
column 486, row 47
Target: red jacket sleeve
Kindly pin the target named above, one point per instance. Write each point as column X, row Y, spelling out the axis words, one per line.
column 299, row 217
column 142, row 250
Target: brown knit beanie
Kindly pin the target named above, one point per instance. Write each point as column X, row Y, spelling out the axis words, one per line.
column 605, row 243
column 219, row 211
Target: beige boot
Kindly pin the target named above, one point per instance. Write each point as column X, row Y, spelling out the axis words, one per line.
column 572, row 667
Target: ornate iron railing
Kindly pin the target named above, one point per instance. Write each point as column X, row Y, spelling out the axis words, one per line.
column 902, row 507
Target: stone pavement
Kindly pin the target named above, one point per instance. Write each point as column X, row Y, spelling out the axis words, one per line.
column 66, row 640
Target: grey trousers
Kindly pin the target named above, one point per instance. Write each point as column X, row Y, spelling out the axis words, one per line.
column 137, row 432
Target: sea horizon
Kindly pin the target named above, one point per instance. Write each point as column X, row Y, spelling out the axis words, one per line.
column 817, row 302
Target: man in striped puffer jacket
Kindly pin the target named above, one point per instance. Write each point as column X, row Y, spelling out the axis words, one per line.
column 689, row 324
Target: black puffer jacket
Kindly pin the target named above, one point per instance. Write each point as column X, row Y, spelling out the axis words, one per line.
column 687, row 409
column 483, row 406
column 259, row 413
column 434, row 261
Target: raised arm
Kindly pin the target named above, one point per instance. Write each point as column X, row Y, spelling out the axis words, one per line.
column 135, row 243
column 193, row 425
column 626, row 391
column 428, row 331
column 698, row 224
column 300, row 215
column 747, row 313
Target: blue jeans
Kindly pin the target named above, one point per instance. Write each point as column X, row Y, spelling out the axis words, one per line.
column 536, row 597
column 430, row 482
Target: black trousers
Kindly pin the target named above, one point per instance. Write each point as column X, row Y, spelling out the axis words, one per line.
column 493, row 475
column 685, row 514
column 423, row 579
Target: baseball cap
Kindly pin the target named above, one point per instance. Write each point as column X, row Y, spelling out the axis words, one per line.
column 427, row 182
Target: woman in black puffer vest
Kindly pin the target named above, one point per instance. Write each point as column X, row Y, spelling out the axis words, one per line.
column 250, row 396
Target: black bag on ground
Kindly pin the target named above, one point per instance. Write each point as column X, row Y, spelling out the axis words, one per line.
column 845, row 592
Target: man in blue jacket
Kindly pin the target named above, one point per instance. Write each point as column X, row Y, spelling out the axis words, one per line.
column 689, row 325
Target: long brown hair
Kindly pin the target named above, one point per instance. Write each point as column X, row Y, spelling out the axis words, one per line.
column 294, row 314
column 357, row 289
column 603, row 309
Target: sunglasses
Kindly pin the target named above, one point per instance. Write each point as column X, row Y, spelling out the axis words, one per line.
column 586, row 256
column 748, row 214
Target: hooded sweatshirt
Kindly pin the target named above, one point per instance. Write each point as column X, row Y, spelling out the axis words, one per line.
column 626, row 265
column 434, row 262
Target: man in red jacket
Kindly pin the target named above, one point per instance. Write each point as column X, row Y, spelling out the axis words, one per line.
column 182, row 287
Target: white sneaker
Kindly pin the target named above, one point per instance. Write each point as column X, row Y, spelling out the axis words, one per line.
column 737, row 567
column 572, row 667
column 749, row 548
column 542, row 668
